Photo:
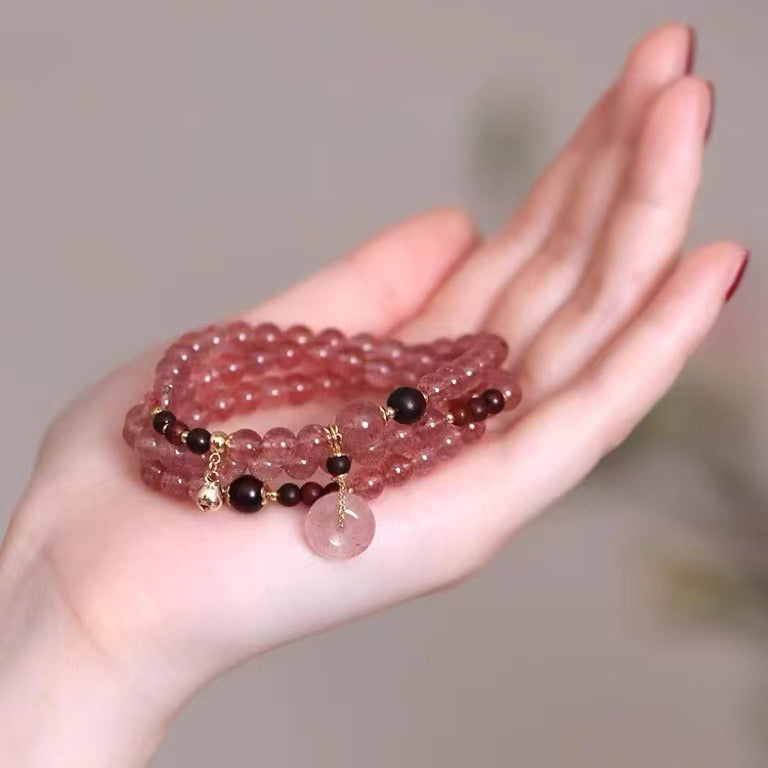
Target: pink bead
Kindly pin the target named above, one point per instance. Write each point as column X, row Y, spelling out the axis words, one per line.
column 301, row 388
column 396, row 469
column 259, row 361
column 472, row 432
column 327, row 538
column 238, row 334
column 424, row 461
column 380, row 373
column 222, row 405
column 244, row 446
column 288, row 355
column 231, row 368
column 174, row 485
column 151, row 473
column 136, row 420
column 273, row 391
column 350, row 365
column 247, row 397
column 312, row 445
column 229, row 469
column 363, row 341
column 361, row 426
column 266, row 333
column 299, row 335
column 373, row 456
column 333, row 337
column 448, row 442
column 319, row 355
column 367, row 483
column 278, row 446
column 151, row 446
column 300, row 469
column 403, row 440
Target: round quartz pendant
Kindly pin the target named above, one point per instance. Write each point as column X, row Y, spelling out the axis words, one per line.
column 328, row 538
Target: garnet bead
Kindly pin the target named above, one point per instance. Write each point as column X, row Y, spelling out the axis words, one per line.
column 494, row 400
column 461, row 415
column 162, row 420
column 289, row 494
column 311, row 492
column 199, row 440
column 408, row 404
column 478, row 409
column 174, row 431
column 338, row 465
column 244, row 493
column 332, row 487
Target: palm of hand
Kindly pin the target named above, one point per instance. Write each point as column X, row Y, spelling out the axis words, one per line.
column 585, row 283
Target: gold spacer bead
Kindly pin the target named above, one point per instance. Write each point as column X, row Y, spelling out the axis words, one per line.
column 157, row 409
column 219, row 441
column 386, row 412
column 184, row 435
column 267, row 494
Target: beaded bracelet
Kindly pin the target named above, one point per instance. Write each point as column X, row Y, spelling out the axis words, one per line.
column 441, row 394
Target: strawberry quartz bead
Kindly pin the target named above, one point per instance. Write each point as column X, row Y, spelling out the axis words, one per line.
column 367, row 483
column 300, row 388
column 333, row 337
column 312, row 445
column 373, row 456
column 151, row 474
column 244, row 446
column 136, row 420
column 361, row 426
column 396, row 469
column 380, row 373
column 447, row 442
column 278, row 447
column 402, row 440
column 299, row 335
column 266, row 333
column 472, row 432
column 174, row 485
column 326, row 537
column 425, row 460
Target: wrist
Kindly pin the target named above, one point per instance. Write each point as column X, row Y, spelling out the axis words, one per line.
column 62, row 698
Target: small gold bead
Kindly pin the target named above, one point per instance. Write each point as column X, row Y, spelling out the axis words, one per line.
column 209, row 497
column 219, row 441
column 157, row 409
column 267, row 494
column 184, row 435
column 387, row 413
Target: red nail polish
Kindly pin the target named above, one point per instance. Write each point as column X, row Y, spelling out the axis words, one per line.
column 691, row 50
column 711, row 119
column 739, row 276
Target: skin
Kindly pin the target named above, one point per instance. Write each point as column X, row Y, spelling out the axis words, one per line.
column 117, row 603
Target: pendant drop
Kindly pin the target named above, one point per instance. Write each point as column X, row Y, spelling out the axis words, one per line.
column 339, row 536
column 209, row 497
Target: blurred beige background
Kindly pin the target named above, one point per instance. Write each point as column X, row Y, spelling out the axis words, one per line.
column 151, row 152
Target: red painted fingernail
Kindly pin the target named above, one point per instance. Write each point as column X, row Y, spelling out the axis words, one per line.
column 691, row 51
column 739, row 276
column 711, row 119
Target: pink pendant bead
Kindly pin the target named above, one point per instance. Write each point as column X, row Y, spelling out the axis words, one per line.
column 327, row 538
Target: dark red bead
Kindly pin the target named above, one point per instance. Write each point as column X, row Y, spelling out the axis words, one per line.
column 174, row 431
column 461, row 415
column 311, row 492
column 244, row 493
column 289, row 494
column 494, row 400
column 198, row 440
column 332, row 487
column 338, row 465
column 162, row 420
column 478, row 410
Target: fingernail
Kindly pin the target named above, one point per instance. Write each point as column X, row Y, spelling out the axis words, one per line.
column 711, row 119
column 691, row 50
column 739, row 276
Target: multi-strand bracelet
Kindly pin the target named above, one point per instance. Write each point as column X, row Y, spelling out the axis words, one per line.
column 440, row 395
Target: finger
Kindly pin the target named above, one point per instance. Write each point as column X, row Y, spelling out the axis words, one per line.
column 561, row 440
column 563, row 209
column 382, row 283
column 641, row 240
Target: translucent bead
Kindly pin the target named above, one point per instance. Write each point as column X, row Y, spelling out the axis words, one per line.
column 367, row 483
column 448, row 442
column 244, row 446
column 424, row 461
column 174, row 485
column 506, row 382
column 300, row 469
column 472, row 432
column 361, row 425
column 136, row 420
column 326, row 537
column 380, row 373
column 222, row 405
column 288, row 354
column 333, row 337
column 273, row 391
column 396, row 469
column 278, row 446
column 299, row 335
column 402, row 439
column 260, row 360
column 266, row 333
column 151, row 473
column 300, row 388
column 312, row 445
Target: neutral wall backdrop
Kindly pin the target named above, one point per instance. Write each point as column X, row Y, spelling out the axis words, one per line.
column 226, row 149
